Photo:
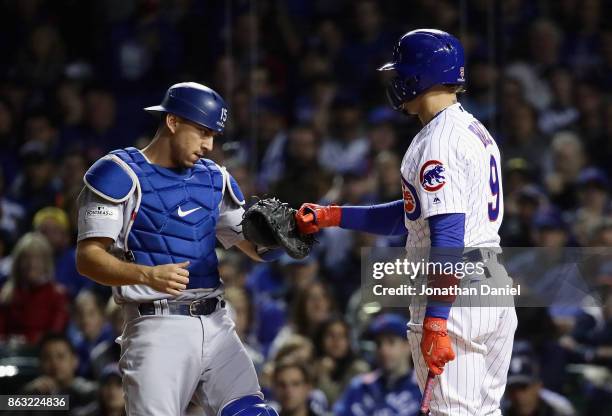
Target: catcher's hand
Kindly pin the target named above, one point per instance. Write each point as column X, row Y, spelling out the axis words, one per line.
column 271, row 223
column 436, row 345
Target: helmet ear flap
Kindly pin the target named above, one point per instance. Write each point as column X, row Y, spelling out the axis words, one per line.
column 412, row 83
column 400, row 90
column 393, row 98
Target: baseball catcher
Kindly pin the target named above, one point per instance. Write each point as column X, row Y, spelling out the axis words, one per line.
column 161, row 210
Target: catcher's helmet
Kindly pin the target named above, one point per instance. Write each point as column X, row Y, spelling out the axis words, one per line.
column 423, row 58
column 248, row 406
column 195, row 102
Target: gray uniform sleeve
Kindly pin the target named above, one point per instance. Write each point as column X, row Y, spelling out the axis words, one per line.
column 229, row 230
column 99, row 217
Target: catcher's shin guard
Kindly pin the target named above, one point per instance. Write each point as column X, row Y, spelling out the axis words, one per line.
column 248, row 406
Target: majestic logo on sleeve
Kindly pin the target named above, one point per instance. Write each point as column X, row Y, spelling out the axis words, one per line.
column 431, row 175
column 412, row 206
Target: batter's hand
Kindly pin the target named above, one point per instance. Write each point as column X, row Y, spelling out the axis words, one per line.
column 311, row 218
column 168, row 278
column 436, row 344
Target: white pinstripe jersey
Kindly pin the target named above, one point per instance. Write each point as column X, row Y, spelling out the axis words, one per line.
column 453, row 166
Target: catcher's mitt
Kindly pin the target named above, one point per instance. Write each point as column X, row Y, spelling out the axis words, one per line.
column 271, row 223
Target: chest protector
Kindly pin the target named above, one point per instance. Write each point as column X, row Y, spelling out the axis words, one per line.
column 175, row 216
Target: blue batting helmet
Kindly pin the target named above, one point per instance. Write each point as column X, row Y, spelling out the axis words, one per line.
column 195, row 102
column 423, row 58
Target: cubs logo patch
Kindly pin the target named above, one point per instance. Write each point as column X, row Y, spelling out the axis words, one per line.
column 412, row 206
column 431, row 176
column 409, row 202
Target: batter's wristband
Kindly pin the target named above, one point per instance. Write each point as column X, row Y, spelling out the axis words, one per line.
column 444, row 286
column 438, row 310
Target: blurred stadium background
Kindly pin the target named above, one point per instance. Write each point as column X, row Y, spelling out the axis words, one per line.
column 308, row 121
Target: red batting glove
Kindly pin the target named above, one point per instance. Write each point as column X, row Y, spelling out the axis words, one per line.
column 311, row 218
column 436, row 345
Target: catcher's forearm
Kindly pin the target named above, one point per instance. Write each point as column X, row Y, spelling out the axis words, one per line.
column 93, row 261
column 250, row 249
column 259, row 253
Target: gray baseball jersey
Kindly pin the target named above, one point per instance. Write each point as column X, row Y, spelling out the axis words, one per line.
column 168, row 360
column 101, row 218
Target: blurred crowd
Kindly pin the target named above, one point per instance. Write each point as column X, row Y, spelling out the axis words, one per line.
column 308, row 122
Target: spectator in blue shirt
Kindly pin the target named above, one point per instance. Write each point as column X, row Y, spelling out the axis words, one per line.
column 391, row 389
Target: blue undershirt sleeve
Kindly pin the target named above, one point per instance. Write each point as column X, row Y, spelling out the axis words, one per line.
column 446, row 232
column 383, row 219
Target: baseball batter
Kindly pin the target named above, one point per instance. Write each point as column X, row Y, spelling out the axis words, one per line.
column 148, row 223
column 452, row 198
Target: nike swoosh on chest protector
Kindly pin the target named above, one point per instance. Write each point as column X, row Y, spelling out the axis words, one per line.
column 182, row 213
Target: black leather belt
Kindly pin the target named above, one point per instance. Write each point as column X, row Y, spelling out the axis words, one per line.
column 196, row 308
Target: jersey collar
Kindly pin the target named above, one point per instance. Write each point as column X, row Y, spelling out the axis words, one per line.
column 452, row 107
